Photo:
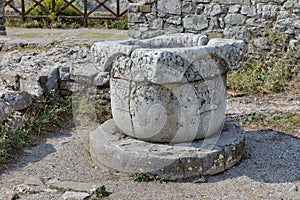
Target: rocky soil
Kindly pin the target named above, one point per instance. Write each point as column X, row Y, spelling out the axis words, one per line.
column 60, row 166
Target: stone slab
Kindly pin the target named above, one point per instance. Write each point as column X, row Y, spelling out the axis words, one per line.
column 6, row 194
column 109, row 147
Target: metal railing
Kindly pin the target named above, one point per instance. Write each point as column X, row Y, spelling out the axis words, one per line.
column 84, row 13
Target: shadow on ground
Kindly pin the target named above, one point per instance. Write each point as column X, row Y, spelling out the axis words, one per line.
column 37, row 153
column 272, row 157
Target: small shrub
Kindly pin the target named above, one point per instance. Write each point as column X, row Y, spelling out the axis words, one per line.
column 101, row 192
column 38, row 10
column 272, row 72
column 160, row 179
column 140, row 177
column 34, row 24
column 43, row 116
column 285, row 122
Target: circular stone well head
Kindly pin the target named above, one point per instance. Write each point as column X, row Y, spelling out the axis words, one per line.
column 170, row 88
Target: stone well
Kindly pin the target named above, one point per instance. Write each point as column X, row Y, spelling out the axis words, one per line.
column 168, row 92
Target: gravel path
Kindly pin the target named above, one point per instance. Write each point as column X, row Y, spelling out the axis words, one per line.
column 271, row 169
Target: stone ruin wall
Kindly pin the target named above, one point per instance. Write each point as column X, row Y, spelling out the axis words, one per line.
column 240, row 19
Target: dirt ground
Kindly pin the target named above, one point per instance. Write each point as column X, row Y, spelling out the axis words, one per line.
column 271, row 169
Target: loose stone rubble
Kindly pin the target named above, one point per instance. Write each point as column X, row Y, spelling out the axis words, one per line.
column 168, row 89
column 26, row 76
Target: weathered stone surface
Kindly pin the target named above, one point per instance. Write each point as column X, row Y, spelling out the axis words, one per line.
column 239, row 2
column 133, row 7
column 33, row 180
column 213, row 9
column 294, row 44
column 195, row 22
column 136, row 17
column 33, row 87
column 248, row 10
column 5, row 110
column 156, row 24
column 174, row 20
column 2, row 18
column 64, row 73
column 75, row 195
column 6, row 194
column 151, row 94
column 189, row 7
column 235, row 19
column 202, row 1
column 226, row 16
column 101, row 79
column 145, row 8
column 169, row 7
column 289, row 20
column 18, row 100
column 237, row 32
column 267, row 11
column 75, row 186
column 171, row 28
column 173, row 162
column 234, row 8
column 23, row 189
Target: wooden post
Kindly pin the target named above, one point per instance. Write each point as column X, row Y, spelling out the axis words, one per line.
column 53, row 7
column 118, row 8
column 85, row 17
column 23, row 10
column 2, row 18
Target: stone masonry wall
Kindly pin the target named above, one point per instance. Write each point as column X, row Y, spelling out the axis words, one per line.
column 2, row 19
column 239, row 19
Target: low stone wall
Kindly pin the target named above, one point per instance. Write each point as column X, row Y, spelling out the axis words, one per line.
column 248, row 20
column 2, row 18
column 26, row 76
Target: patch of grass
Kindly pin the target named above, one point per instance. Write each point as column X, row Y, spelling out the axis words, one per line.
column 29, row 35
column 272, row 72
column 121, row 23
column 59, row 189
column 284, row 122
column 32, row 23
column 140, row 177
column 54, row 21
column 98, row 35
column 160, row 179
column 103, row 110
column 113, row 176
column 101, row 192
column 244, row 157
column 45, row 115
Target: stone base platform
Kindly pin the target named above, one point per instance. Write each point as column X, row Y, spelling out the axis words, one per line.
column 109, row 147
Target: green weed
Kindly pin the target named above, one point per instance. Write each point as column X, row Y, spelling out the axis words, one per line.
column 272, row 72
column 284, row 122
column 46, row 114
column 102, row 192
column 160, row 179
column 113, row 176
column 244, row 157
column 140, row 177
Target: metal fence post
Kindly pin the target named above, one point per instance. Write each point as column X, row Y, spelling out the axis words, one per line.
column 2, row 18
